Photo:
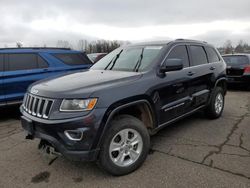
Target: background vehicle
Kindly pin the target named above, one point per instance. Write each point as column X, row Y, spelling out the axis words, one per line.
column 238, row 68
column 19, row 67
column 130, row 94
column 94, row 57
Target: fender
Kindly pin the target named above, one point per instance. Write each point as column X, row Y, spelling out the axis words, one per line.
column 224, row 79
column 115, row 110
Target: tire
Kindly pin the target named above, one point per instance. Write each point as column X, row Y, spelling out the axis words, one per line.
column 124, row 126
column 215, row 107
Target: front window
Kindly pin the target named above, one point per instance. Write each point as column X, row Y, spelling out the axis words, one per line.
column 128, row 59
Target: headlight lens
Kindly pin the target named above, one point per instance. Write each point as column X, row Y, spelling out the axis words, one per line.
column 78, row 104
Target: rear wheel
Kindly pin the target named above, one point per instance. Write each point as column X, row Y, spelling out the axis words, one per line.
column 216, row 105
column 125, row 147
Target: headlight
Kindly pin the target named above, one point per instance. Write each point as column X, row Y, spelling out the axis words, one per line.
column 78, row 104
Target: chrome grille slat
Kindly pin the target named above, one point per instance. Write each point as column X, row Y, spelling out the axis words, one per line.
column 27, row 103
column 33, row 106
column 30, row 104
column 45, row 108
column 37, row 106
column 24, row 100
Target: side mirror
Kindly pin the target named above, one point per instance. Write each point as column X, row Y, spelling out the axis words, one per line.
column 172, row 65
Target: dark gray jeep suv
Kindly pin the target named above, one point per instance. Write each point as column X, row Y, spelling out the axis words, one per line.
column 108, row 113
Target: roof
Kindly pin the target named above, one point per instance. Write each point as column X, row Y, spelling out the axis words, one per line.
column 165, row 42
column 237, row 54
column 37, row 49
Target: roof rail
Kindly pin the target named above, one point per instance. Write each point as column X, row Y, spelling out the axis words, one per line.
column 37, row 48
column 190, row 40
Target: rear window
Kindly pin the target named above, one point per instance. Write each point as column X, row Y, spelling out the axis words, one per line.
column 236, row 60
column 25, row 62
column 22, row 62
column 1, row 62
column 199, row 56
column 72, row 59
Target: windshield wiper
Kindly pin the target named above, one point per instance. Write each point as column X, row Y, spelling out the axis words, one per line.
column 138, row 63
column 113, row 61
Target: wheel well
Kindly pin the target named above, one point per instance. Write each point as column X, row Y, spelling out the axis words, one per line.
column 141, row 111
column 222, row 84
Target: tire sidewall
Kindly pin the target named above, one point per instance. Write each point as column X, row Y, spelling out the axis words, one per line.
column 215, row 94
column 118, row 124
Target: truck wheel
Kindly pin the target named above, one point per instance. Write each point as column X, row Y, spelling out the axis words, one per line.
column 216, row 105
column 125, row 147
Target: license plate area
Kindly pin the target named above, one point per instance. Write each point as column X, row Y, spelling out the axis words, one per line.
column 231, row 79
column 27, row 125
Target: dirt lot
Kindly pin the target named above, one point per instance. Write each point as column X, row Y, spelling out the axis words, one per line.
column 195, row 152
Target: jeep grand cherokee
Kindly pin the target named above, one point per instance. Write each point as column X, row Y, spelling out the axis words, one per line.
column 108, row 113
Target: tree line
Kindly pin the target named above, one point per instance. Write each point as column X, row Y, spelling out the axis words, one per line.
column 229, row 48
column 98, row 46
column 106, row 46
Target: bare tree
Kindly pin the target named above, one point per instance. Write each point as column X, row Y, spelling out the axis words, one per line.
column 82, row 45
column 63, row 44
column 240, row 47
column 103, row 46
column 19, row 45
column 228, row 47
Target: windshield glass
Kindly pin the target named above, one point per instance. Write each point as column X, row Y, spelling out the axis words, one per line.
column 128, row 59
column 236, row 60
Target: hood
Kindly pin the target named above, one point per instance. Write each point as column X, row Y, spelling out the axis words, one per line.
column 82, row 84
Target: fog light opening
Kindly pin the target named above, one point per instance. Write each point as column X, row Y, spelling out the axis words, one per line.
column 75, row 135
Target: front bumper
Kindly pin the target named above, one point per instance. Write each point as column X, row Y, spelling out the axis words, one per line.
column 53, row 131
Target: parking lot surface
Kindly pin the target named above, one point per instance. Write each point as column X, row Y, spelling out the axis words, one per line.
column 195, row 152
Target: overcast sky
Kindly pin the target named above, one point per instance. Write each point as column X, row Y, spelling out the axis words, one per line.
column 39, row 22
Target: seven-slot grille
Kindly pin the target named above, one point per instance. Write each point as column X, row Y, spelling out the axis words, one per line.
column 37, row 106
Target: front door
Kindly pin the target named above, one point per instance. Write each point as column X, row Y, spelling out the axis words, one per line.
column 173, row 91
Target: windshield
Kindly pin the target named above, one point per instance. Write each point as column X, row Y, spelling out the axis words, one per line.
column 128, row 59
column 236, row 60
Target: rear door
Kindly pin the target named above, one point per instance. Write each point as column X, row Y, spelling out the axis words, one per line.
column 22, row 70
column 200, row 75
column 1, row 79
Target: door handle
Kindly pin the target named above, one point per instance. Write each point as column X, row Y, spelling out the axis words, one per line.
column 212, row 68
column 190, row 73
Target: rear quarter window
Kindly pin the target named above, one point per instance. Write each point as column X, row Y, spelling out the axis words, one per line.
column 212, row 55
column 72, row 58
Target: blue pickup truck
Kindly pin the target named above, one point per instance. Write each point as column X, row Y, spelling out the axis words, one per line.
column 19, row 67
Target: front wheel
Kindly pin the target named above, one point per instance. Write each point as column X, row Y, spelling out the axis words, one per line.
column 125, row 147
column 216, row 105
